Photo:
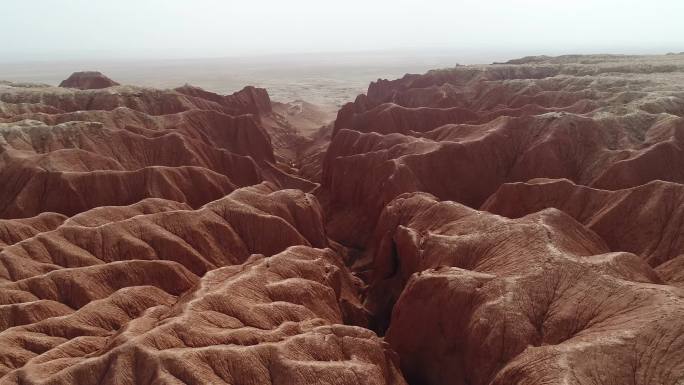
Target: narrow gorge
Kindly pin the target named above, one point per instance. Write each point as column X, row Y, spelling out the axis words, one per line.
column 514, row 223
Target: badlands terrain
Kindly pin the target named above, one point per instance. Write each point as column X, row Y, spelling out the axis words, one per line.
column 513, row 223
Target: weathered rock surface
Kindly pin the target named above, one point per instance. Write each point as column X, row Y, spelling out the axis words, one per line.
column 15, row 230
column 271, row 320
column 181, row 236
column 672, row 271
column 587, row 295
column 81, row 302
column 222, row 232
column 540, row 299
column 647, row 220
column 89, row 155
column 249, row 100
column 609, row 125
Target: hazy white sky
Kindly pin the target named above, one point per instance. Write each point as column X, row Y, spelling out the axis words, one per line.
column 47, row 29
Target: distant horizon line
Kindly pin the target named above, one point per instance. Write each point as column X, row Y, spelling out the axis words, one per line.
column 67, row 57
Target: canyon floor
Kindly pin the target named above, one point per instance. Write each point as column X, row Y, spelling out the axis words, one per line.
column 513, row 223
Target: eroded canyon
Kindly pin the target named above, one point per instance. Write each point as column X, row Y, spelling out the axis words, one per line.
column 513, row 223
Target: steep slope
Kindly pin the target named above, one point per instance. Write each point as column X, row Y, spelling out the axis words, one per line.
column 461, row 133
column 201, row 240
column 16, row 230
column 647, row 220
column 95, row 290
column 285, row 326
column 532, row 300
column 468, row 297
column 182, row 236
column 123, row 144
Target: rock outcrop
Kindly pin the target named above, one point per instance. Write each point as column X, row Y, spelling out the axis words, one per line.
column 582, row 285
column 647, row 220
column 88, row 80
column 284, row 326
column 484, row 299
column 134, row 144
column 249, row 100
column 461, row 133
column 113, row 282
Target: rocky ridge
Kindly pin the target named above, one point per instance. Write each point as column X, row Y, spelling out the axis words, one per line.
column 516, row 223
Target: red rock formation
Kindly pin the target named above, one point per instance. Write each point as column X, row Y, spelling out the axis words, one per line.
column 672, row 271
column 532, row 300
column 482, row 299
column 69, row 163
column 311, row 156
column 109, row 281
column 108, row 214
column 167, row 236
column 238, row 134
column 647, row 220
column 220, row 233
column 284, row 326
column 249, row 100
column 88, row 80
column 541, row 121
column 389, row 118
column 16, row 230
column 150, row 101
column 467, row 163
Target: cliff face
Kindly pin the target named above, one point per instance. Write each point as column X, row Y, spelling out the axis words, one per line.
column 461, row 133
column 467, row 297
column 484, row 299
column 518, row 223
column 249, row 100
